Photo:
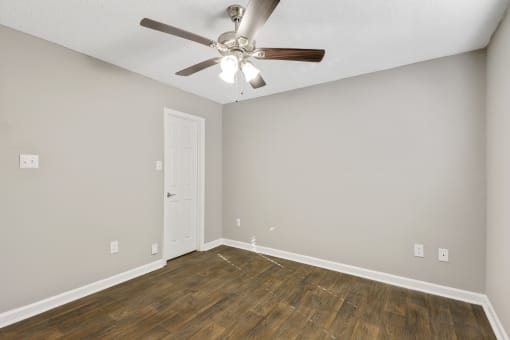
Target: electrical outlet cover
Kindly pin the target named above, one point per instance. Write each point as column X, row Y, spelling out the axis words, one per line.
column 154, row 249
column 114, row 247
column 419, row 250
column 159, row 165
column 443, row 255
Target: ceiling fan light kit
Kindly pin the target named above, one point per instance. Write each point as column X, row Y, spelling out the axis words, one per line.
column 250, row 72
column 228, row 77
column 238, row 47
column 229, row 66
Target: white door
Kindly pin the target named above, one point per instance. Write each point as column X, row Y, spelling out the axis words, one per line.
column 181, row 178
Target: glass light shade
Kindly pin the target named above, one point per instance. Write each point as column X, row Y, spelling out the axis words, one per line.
column 229, row 64
column 250, row 72
column 228, row 77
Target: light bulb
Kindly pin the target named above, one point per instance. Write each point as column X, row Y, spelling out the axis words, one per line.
column 228, row 77
column 229, row 64
column 250, row 72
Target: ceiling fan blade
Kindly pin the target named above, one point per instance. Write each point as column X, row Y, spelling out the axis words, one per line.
column 256, row 15
column 257, row 82
column 294, row 54
column 159, row 26
column 198, row 67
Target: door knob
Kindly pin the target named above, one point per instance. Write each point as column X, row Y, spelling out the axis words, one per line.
column 168, row 195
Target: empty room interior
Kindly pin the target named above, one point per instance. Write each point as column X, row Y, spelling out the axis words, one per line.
column 259, row 169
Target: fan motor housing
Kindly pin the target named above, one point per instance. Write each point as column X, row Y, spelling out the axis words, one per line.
column 230, row 41
column 233, row 42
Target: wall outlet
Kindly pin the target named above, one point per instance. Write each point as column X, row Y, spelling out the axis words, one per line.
column 272, row 228
column 443, row 254
column 419, row 250
column 238, row 222
column 154, row 249
column 114, row 247
column 28, row 161
column 159, row 165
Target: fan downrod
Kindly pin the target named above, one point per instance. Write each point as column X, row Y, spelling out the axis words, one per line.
column 229, row 42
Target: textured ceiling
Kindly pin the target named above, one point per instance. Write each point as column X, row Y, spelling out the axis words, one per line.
column 360, row 36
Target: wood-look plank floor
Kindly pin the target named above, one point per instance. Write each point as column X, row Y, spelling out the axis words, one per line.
column 228, row 293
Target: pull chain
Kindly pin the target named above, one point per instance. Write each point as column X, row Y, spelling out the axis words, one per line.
column 240, row 87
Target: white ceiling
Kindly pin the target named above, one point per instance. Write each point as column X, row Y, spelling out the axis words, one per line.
column 360, row 36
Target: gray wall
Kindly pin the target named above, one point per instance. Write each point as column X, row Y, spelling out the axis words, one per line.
column 353, row 171
column 98, row 130
column 498, row 172
column 358, row 170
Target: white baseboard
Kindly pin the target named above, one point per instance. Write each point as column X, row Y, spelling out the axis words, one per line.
column 391, row 279
column 24, row 312
column 210, row 245
column 497, row 327
column 404, row 282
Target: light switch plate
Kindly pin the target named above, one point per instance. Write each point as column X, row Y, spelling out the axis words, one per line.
column 159, row 165
column 27, row 161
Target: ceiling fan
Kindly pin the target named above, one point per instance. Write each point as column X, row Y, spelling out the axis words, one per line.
column 238, row 47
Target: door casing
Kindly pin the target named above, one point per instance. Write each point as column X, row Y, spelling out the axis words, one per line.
column 200, row 177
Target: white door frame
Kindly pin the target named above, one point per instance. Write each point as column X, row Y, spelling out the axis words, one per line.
column 200, row 176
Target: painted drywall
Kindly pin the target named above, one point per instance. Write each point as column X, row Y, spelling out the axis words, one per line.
column 498, row 172
column 359, row 36
column 98, row 130
column 356, row 171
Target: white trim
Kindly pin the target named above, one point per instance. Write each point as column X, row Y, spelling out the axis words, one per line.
column 24, row 312
column 404, row 282
column 422, row 286
column 497, row 327
column 211, row 245
column 201, row 176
